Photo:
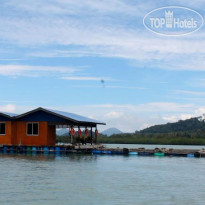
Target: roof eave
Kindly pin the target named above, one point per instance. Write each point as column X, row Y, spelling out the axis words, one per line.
column 48, row 111
column 94, row 123
column 5, row 115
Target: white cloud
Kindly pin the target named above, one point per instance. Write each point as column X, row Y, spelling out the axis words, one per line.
column 130, row 118
column 8, row 108
column 126, row 87
column 74, row 7
column 175, row 118
column 11, row 59
column 92, row 28
column 80, row 78
column 189, row 92
column 113, row 115
column 151, row 107
column 110, row 86
column 199, row 111
column 34, row 71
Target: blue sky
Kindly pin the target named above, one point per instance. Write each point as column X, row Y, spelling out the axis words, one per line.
column 55, row 54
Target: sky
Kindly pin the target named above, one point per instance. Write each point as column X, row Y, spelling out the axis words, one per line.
column 96, row 58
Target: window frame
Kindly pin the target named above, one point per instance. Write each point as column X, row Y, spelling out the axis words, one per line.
column 5, row 128
column 32, row 129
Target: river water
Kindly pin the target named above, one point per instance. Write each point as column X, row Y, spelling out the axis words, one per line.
column 101, row 180
column 153, row 146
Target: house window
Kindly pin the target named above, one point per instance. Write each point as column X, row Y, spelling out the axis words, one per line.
column 2, row 128
column 32, row 128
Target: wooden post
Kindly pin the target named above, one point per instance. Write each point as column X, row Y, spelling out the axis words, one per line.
column 91, row 136
column 96, row 137
column 71, row 139
column 78, row 138
column 71, row 136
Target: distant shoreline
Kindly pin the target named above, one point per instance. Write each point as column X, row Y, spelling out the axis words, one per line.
column 160, row 139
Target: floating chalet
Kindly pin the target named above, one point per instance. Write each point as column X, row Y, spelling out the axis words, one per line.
column 38, row 127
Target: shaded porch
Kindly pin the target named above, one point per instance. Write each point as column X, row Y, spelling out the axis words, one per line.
column 83, row 134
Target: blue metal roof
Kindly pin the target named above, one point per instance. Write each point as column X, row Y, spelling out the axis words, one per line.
column 9, row 114
column 75, row 117
column 55, row 115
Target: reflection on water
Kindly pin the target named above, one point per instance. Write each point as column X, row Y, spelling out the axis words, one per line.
column 90, row 179
column 48, row 157
column 29, row 157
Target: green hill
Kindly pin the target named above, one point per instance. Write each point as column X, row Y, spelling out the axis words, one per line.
column 111, row 131
column 190, row 125
column 183, row 132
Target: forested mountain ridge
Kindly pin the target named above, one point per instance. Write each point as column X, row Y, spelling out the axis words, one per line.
column 183, row 132
column 189, row 125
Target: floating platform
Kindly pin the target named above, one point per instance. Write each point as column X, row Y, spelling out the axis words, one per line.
column 101, row 150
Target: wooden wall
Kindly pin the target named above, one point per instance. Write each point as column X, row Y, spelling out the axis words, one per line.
column 7, row 139
column 24, row 139
column 51, row 140
column 16, row 134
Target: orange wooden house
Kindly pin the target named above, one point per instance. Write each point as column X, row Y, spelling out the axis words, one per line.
column 38, row 127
